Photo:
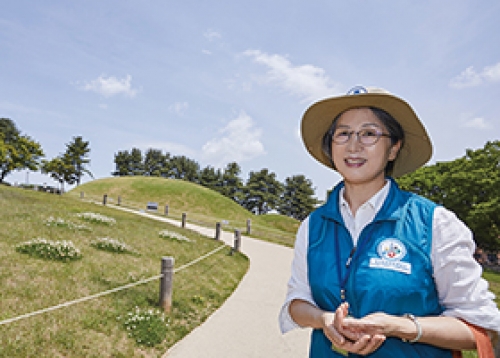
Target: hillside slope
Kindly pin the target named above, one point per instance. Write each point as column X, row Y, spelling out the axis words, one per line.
column 201, row 205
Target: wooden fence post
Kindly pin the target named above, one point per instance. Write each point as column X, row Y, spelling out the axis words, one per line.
column 183, row 219
column 217, row 231
column 119, row 200
column 237, row 241
column 166, row 210
column 249, row 226
column 104, row 199
column 166, row 280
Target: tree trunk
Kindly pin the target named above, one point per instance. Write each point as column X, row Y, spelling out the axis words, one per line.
column 3, row 175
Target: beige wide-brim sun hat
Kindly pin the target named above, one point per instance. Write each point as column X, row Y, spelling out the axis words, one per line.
column 317, row 119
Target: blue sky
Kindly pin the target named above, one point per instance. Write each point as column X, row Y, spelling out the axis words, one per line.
column 229, row 81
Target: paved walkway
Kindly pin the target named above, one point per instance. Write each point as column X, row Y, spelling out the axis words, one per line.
column 247, row 323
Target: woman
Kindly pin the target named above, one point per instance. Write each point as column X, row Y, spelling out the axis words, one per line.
column 378, row 271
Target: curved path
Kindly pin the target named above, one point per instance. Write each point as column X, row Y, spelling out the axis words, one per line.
column 247, row 323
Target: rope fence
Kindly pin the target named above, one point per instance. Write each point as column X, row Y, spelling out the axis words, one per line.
column 117, row 289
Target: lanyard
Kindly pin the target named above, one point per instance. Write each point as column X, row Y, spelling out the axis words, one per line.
column 348, row 265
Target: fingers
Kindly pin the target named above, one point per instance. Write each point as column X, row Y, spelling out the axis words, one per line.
column 341, row 313
column 329, row 328
column 372, row 344
column 351, row 334
column 365, row 345
column 341, row 318
column 336, row 332
column 336, row 337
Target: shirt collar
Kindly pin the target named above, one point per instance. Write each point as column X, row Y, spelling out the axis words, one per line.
column 375, row 202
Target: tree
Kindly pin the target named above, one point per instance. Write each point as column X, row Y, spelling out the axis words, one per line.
column 17, row 151
column 76, row 156
column 232, row 185
column 9, row 130
column 181, row 167
column 476, row 181
column 136, row 166
column 211, row 178
column 469, row 186
column 262, row 192
column 155, row 163
column 166, row 169
column 122, row 164
column 60, row 169
column 298, row 199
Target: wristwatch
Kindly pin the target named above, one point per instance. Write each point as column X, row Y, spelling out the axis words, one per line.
column 417, row 324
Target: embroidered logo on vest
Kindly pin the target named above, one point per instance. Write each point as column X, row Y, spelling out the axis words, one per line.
column 391, row 251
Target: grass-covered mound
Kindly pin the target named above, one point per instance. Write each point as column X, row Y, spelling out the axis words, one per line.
column 201, row 205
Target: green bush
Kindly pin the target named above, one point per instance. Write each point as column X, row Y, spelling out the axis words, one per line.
column 97, row 218
column 59, row 222
column 52, row 250
column 112, row 245
column 166, row 234
column 147, row 327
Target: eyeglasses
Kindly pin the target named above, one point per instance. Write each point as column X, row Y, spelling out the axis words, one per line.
column 365, row 136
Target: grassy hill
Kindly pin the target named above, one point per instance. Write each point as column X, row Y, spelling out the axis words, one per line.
column 201, row 205
column 105, row 326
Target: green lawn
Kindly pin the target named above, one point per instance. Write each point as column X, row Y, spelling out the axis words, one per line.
column 96, row 328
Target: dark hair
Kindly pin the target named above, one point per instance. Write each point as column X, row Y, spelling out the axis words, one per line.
column 393, row 127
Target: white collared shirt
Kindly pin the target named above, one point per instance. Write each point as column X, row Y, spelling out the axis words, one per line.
column 461, row 289
column 365, row 214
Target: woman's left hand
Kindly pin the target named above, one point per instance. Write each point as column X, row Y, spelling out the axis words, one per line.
column 375, row 323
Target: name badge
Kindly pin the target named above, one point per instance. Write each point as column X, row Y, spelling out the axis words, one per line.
column 390, row 252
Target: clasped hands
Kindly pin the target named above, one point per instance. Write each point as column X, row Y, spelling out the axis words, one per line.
column 361, row 336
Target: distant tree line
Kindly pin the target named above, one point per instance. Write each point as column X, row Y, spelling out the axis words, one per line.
column 260, row 194
column 19, row 151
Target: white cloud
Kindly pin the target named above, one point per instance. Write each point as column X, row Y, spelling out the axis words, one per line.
column 492, row 73
column 306, row 81
column 211, row 35
column 179, row 108
column 111, row 86
column 470, row 78
column 239, row 141
column 476, row 123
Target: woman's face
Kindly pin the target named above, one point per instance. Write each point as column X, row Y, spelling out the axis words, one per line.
column 356, row 162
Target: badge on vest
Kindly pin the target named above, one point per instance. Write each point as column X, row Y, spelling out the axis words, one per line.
column 391, row 251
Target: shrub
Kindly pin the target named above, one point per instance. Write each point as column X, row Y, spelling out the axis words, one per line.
column 111, row 245
column 146, row 327
column 58, row 222
column 97, row 218
column 166, row 234
column 51, row 221
column 52, row 250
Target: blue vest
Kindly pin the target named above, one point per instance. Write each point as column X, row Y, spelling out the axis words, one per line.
column 390, row 271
